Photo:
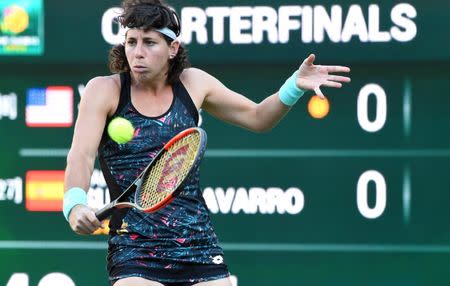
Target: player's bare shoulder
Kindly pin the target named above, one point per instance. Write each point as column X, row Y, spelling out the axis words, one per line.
column 103, row 91
column 198, row 83
column 194, row 75
column 104, row 84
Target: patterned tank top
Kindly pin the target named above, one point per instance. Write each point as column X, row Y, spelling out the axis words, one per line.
column 181, row 232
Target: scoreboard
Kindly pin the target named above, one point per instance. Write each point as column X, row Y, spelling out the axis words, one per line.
column 359, row 197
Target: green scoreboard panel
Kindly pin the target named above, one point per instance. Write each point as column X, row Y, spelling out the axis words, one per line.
column 359, row 197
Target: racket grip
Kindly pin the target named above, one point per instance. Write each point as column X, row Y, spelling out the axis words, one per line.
column 105, row 212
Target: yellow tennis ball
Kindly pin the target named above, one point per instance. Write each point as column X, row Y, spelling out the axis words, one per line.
column 120, row 130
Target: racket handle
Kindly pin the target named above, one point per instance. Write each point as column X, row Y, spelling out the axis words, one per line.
column 105, row 212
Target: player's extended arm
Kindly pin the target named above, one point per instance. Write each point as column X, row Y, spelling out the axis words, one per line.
column 235, row 108
column 95, row 105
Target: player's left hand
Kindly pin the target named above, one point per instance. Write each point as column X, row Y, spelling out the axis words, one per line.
column 312, row 77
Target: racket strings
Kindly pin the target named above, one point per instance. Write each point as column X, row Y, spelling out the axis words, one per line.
column 169, row 171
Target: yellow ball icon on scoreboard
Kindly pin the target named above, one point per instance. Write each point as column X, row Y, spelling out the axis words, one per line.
column 15, row 20
column 318, row 108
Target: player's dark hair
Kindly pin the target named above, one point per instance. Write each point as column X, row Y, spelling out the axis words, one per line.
column 149, row 15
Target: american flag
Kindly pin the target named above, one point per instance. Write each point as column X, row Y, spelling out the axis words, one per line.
column 49, row 107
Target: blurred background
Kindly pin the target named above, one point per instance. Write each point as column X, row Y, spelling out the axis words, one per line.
column 353, row 190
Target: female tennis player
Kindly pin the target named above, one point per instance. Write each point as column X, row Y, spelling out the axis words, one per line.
column 153, row 87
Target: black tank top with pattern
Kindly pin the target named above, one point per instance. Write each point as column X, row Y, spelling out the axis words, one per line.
column 182, row 231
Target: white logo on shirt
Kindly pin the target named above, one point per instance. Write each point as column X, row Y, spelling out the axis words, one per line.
column 217, row 259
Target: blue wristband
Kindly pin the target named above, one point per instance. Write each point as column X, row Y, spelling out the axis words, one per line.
column 73, row 197
column 289, row 93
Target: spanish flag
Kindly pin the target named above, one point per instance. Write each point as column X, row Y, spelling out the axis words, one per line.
column 44, row 191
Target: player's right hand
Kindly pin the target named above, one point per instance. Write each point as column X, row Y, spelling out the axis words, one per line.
column 82, row 220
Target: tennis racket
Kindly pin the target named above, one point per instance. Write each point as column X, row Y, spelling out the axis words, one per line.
column 160, row 182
